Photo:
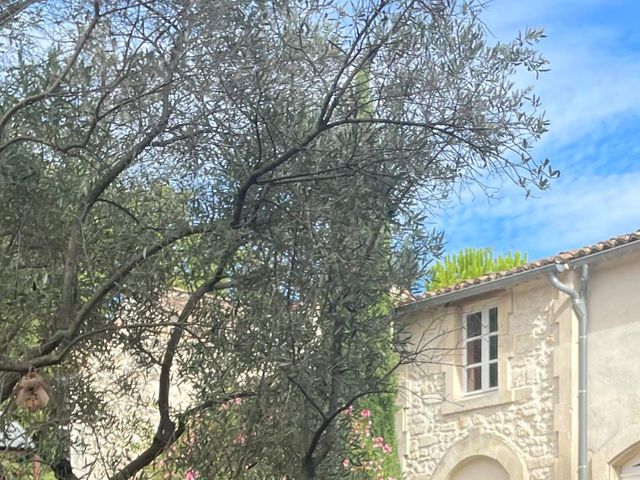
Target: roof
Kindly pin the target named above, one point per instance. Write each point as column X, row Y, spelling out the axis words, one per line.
column 560, row 258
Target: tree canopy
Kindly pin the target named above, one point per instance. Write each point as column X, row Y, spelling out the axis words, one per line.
column 203, row 201
column 471, row 263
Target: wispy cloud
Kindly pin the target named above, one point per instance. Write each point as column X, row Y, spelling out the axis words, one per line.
column 592, row 96
column 592, row 47
column 580, row 212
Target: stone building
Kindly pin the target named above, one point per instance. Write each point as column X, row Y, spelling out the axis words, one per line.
column 498, row 394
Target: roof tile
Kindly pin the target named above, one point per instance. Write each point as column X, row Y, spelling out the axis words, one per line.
column 561, row 257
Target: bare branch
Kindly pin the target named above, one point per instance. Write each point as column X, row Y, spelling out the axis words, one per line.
column 25, row 102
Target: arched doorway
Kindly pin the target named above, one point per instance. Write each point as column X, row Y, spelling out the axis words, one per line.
column 481, row 456
column 480, row 468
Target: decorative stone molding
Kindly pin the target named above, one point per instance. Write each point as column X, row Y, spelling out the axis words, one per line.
column 565, row 359
column 479, row 444
column 619, row 450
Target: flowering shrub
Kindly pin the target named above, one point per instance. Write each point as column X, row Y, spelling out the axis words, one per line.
column 368, row 454
column 180, row 460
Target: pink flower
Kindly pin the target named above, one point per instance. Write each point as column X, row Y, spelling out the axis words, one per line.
column 224, row 405
column 345, row 463
column 191, row 475
column 378, row 442
column 237, row 401
column 349, row 410
column 365, row 413
column 240, row 440
column 387, row 448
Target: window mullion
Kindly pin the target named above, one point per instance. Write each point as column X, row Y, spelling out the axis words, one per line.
column 484, row 349
column 465, row 386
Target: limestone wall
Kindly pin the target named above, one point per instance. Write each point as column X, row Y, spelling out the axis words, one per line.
column 515, row 423
column 614, row 364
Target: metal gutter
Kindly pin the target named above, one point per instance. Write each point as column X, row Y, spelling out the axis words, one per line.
column 579, row 301
column 580, row 307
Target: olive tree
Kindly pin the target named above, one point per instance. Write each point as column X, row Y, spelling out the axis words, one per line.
column 204, row 201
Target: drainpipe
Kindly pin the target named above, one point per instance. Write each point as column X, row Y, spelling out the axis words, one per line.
column 579, row 301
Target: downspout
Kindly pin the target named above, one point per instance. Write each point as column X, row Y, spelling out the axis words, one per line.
column 579, row 300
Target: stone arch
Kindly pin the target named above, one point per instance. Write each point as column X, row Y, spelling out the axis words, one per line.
column 627, row 463
column 479, row 468
column 609, row 459
column 480, row 445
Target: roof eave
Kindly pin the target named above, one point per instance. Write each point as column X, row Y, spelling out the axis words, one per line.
column 506, row 281
column 473, row 290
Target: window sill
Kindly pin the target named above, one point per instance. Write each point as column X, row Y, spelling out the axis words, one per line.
column 484, row 399
column 479, row 393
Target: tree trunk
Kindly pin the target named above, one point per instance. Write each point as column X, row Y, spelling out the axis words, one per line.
column 308, row 469
column 63, row 471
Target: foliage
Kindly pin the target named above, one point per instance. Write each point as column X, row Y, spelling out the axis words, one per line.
column 13, row 467
column 276, row 162
column 369, row 453
column 381, row 423
column 382, row 406
column 471, row 263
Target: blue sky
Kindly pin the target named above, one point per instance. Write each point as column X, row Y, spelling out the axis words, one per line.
column 592, row 99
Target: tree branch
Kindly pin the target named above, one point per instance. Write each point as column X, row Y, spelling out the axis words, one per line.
column 257, row 173
column 42, row 357
column 14, row 9
column 58, row 79
column 166, row 430
column 307, row 396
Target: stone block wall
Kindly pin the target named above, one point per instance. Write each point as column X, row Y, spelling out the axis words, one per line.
column 520, row 415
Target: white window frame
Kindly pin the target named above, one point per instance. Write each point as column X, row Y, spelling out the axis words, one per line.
column 484, row 336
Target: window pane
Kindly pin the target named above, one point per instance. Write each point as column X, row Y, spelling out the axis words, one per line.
column 493, row 347
column 493, row 319
column 493, row 375
column 474, row 379
column 474, row 351
column 474, row 324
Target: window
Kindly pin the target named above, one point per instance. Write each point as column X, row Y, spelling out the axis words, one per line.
column 480, row 351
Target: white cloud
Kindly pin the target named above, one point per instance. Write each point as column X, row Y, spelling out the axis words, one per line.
column 506, row 17
column 577, row 212
column 588, row 91
column 592, row 96
column 595, row 74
